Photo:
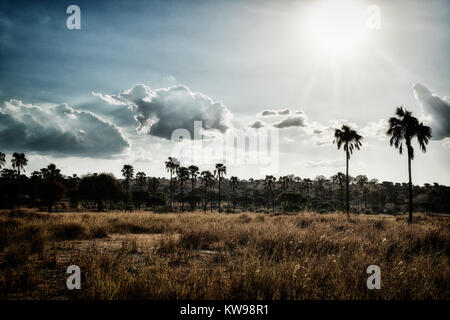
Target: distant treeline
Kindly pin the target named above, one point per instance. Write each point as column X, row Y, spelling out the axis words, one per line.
column 190, row 189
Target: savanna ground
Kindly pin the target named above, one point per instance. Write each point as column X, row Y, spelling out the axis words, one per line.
column 145, row 255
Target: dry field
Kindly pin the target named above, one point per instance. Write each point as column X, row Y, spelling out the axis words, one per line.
column 144, row 255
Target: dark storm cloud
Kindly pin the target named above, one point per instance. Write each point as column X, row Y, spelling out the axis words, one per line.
column 59, row 130
column 161, row 111
column 435, row 107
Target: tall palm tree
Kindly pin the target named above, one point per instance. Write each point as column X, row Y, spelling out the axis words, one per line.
column 269, row 182
column 171, row 166
column 207, row 179
column 404, row 127
column 339, row 178
column 220, row 171
column 350, row 139
column 141, row 179
column 233, row 183
column 307, row 183
column 183, row 176
column 19, row 161
column 128, row 173
column 193, row 173
column 2, row 160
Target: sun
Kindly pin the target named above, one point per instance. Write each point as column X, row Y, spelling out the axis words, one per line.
column 337, row 27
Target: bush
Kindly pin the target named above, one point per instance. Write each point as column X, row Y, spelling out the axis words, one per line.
column 125, row 227
column 68, row 231
column 99, row 232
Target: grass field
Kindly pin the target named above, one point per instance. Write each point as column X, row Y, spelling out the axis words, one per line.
column 144, row 255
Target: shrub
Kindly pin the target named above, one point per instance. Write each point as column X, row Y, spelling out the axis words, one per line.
column 125, row 227
column 68, row 231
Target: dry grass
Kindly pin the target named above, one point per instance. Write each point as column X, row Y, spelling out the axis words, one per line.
column 222, row 256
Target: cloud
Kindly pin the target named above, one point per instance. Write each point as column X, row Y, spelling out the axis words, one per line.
column 446, row 142
column 296, row 121
column 268, row 113
column 282, row 112
column 435, row 108
column 257, row 124
column 376, row 129
column 58, row 130
column 161, row 111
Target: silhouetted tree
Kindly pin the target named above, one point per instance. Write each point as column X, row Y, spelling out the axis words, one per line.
column 220, row 171
column 182, row 176
column 52, row 189
column 234, row 183
column 128, row 173
column 207, row 178
column 350, row 139
column 269, row 183
column 404, row 127
column 100, row 187
column 193, row 172
column 140, row 195
column 308, row 183
column 19, row 162
column 72, row 190
column 2, row 160
column 172, row 166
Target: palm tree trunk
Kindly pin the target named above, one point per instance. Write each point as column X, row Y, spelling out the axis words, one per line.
column 273, row 203
column 410, row 190
column 171, row 192
column 219, row 192
column 126, row 197
column 211, row 200
column 192, row 196
column 206, row 200
column 234, row 199
column 347, row 200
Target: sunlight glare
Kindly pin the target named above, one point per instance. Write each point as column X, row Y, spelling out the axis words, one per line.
column 338, row 27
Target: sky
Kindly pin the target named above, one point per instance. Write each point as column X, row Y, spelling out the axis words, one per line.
column 138, row 75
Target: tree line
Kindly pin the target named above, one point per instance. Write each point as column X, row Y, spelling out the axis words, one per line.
column 189, row 189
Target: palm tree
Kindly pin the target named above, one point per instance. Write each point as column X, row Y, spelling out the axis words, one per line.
column 307, row 183
column 19, row 162
column 339, row 178
column 220, row 171
column 128, row 173
column 51, row 173
column 269, row 182
column 234, row 182
column 2, row 160
column 172, row 165
column 207, row 179
column 141, row 179
column 405, row 127
column 183, row 176
column 193, row 172
column 362, row 180
column 350, row 139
